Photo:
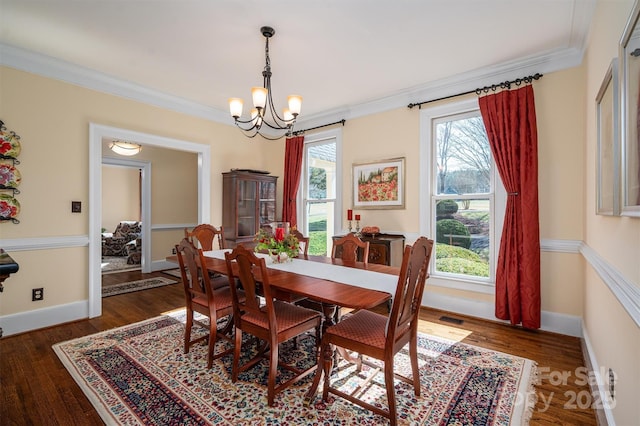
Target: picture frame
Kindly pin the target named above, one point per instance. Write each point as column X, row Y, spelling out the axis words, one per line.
column 608, row 144
column 379, row 184
column 629, row 54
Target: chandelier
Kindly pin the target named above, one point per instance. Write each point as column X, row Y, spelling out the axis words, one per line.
column 264, row 112
column 125, row 148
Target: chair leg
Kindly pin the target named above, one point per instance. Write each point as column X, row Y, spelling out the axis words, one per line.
column 273, row 371
column 213, row 330
column 413, row 355
column 236, row 355
column 187, row 330
column 391, row 392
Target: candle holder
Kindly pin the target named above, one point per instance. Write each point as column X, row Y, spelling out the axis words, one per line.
column 357, row 228
column 350, row 228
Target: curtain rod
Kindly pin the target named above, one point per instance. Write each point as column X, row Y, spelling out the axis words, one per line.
column 485, row 89
column 299, row 132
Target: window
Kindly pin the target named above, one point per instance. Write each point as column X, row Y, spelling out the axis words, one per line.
column 463, row 203
column 320, row 185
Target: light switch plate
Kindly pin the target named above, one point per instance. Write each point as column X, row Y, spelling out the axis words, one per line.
column 76, row 207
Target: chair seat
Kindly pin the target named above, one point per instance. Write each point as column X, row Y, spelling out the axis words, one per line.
column 222, row 298
column 364, row 327
column 288, row 315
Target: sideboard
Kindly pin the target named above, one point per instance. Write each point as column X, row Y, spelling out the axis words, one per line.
column 384, row 249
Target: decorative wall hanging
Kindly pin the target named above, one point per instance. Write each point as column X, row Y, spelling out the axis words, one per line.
column 379, row 185
column 10, row 176
column 608, row 165
column 630, row 81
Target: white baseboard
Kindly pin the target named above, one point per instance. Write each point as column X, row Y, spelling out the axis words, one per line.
column 159, row 265
column 46, row 317
column 550, row 321
column 599, row 386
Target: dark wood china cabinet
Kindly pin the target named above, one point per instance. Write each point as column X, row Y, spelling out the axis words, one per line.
column 248, row 202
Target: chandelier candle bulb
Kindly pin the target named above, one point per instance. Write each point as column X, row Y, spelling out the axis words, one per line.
column 259, row 95
column 235, row 107
column 295, row 104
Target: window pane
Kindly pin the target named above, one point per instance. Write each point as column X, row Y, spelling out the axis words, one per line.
column 320, row 216
column 463, row 236
column 463, row 157
column 321, row 161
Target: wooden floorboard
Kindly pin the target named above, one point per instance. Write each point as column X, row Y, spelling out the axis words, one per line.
column 36, row 389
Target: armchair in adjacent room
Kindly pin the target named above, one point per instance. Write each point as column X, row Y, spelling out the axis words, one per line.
column 117, row 243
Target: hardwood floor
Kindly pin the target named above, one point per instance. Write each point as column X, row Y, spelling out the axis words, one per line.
column 37, row 390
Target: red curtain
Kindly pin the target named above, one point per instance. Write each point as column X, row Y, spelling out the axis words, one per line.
column 292, row 169
column 510, row 120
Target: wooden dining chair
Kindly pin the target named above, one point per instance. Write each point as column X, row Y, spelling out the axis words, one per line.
column 202, row 298
column 346, row 248
column 204, row 235
column 304, row 242
column 381, row 337
column 274, row 323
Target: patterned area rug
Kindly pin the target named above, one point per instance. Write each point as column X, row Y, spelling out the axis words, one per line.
column 128, row 287
column 138, row 374
column 113, row 264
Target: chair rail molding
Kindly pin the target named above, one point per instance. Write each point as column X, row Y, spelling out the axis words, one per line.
column 627, row 293
column 44, row 243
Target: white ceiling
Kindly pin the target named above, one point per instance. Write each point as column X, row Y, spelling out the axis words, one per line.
column 342, row 56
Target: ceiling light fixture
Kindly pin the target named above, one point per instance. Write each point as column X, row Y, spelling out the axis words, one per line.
column 264, row 112
column 125, row 148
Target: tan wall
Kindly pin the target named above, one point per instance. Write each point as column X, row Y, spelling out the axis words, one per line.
column 52, row 118
column 614, row 336
column 377, row 137
column 120, row 195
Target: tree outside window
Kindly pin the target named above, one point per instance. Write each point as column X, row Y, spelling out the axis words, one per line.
column 462, row 197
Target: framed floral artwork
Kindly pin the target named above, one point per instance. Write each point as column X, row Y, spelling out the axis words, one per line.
column 608, row 155
column 379, row 185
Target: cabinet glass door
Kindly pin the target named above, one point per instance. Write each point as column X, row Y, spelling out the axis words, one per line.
column 247, row 191
column 267, row 203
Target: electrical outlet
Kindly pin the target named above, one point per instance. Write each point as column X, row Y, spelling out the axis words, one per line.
column 173, row 251
column 37, row 294
column 612, row 384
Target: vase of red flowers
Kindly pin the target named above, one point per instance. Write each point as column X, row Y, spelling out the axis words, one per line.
column 281, row 246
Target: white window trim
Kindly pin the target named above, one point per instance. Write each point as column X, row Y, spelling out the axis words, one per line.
column 335, row 134
column 427, row 115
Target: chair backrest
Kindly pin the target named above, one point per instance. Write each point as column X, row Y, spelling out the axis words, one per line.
column 251, row 270
column 205, row 234
column 304, row 241
column 195, row 279
column 349, row 245
column 403, row 319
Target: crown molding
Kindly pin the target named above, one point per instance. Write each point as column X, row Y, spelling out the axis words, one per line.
column 57, row 69
column 54, row 68
column 556, row 60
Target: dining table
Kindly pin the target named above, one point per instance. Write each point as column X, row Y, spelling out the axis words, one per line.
column 331, row 283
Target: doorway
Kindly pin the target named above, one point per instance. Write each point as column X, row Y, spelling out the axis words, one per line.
column 98, row 133
column 125, row 186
